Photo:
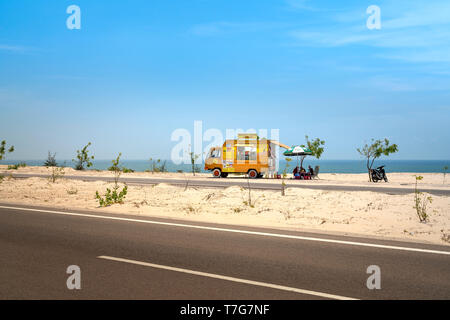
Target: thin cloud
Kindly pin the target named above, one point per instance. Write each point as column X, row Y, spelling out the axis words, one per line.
column 424, row 27
column 15, row 49
column 225, row 27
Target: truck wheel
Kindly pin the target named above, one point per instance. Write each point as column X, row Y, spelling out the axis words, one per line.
column 217, row 173
column 224, row 174
column 252, row 174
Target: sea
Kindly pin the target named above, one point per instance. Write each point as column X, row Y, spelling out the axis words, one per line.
column 326, row 166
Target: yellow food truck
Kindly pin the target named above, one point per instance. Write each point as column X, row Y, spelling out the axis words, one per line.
column 248, row 154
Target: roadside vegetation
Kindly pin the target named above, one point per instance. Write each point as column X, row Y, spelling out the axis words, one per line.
column 421, row 202
column 56, row 173
column 17, row 166
column 250, row 201
column 51, row 160
column 284, row 176
column 444, row 171
column 194, row 168
column 115, row 167
column 375, row 150
column 83, row 158
column 316, row 147
column 156, row 165
column 115, row 195
column 4, row 150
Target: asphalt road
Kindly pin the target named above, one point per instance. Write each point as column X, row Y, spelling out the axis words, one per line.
column 224, row 183
column 144, row 258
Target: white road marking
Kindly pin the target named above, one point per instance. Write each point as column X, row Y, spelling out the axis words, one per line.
column 256, row 233
column 233, row 279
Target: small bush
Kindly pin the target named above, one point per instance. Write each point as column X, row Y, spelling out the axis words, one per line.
column 17, row 166
column 111, row 196
column 284, row 176
column 57, row 173
column 194, row 168
column 421, row 202
column 4, row 150
column 157, row 166
column 83, row 158
column 51, row 160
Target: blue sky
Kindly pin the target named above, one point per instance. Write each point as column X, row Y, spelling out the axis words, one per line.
column 137, row 70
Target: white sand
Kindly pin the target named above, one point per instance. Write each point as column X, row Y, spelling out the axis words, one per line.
column 361, row 212
column 396, row 180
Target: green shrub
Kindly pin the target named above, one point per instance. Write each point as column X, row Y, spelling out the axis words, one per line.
column 421, row 202
column 194, row 168
column 57, row 173
column 17, row 166
column 111, row 196
column 284, row 176
column 51, row 160
column 3, row 149
column 157, row 166
column 116, row 168
column 83, row 158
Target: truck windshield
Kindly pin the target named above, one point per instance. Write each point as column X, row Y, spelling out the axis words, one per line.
column 215, row 153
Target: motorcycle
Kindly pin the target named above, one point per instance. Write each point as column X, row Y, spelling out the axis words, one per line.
column 379, row 174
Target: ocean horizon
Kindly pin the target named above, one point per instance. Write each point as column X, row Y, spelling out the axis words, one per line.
column 326, row 166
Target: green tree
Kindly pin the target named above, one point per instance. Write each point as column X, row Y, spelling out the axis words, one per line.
column 4, row 150
column 316, row 147
column 83, row 158
column 376, row 150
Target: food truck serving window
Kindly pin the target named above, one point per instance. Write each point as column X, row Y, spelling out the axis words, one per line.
column 245, row 153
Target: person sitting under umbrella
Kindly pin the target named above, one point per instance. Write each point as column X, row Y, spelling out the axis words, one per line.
column 299, row 173
column 296, row 172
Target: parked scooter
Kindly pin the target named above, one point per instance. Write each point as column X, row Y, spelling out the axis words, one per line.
column 379, row 174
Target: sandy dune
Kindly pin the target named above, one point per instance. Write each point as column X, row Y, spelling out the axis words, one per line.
column 364, row 213
column 396, row 180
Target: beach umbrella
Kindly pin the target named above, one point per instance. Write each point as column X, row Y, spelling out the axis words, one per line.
column 297, row 151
